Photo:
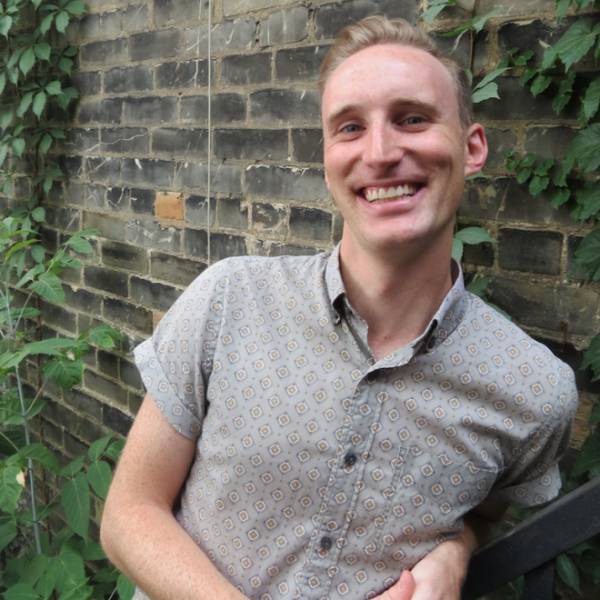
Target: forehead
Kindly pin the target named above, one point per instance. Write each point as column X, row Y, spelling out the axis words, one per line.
column 390, row 71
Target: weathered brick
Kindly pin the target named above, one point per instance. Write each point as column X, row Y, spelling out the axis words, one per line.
column 59, row 317
column 87, row 27
column 149, row 110
column 197, row 211
column 246, row 69
column 168, row 205
column 155, row 44
column 110, row 24
column 500, row 142
column 573, row 270
column 195, row 243
column 284, row 106
column 108, row 52
column 128, row 79
column 135, row 18
column 225, row 108
column 153, row 235
column 286, row 182
column 71, row 166
column 129, row 315
column 461, row 52
column 307, row 145
column 310, row 224
column 223, row 245
column 530, row 251
column 108, row 227
column 549, row 142
column 103, row 169
column 81, row 299
column 253, row 144
column 88, row 83
column 67, row 219
column 330, row 18
column 148, row 172
column 299, row 63
column 124, row 256
column 228, row 36
column 479, row 255
column 82, row 140
column 108, row 111
column 140, row 201
column 172, row 141
column 483, row 198
column 125, row 139
column 116, row 420
column 191, row 73
column 108, row 280
column 235, row 7
column 108, row 363
column 232, row 213
column 225, row 179
column 266, row 217
column 284, row 26
column 117, row 199
column 130, row 375
column 152, row 294
column 509, row 8
column 83, row 403
column 173, row 269
column 276, row 249
column 172, row 12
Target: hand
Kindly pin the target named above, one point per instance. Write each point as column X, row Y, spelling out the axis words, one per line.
column 402, row 590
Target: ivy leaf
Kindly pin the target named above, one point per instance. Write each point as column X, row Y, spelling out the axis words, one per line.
column 38, row 254
column 21, row 591
column 64, row 371
column 79, row 244
column 587, row 256
column 457, row 249
column 49, row 287
column 2, row 82
column 591, row 358
column 38, row 214
column 435, row 7
column 99, row 476
column 45, row 143
column 588, row 198
column 576, row 42
column 18, row 146
column 540, row 83
column 562, row 6
column 24, row 104
column 61, row 22
column 565, row 91
column 75, row 501
column 5, row 25
column 40, row 454
column 46, row 23
column 39, row 102
column 104, row 337
column 538, row 184
column 96, row 450
column 65, row 65
column 479, row 285
column 568, row 573
column 473, row 235
column 125, row 588
column 27, row 61
column 8, row 530
column 70, row 568
column 76, row 8
column 54, row 88
column 10, row 488
column 560, row 197
column 42, row 50
column 486, row 92
column 584, row 150
column 73, row 467
column 590, row 101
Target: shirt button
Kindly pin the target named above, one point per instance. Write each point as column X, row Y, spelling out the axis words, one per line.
column 350, row 459
column 326, row 542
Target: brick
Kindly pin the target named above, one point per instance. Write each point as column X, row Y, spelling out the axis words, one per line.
column 573, row 271
column 108, row 363
column 191, row 73
column 130, row 375
column 299, row 63
column 82, row 140
column 107, row 111
column 197, row 211
column 126, row 139
column 275, row 249
column 88, row 83
column 61, row 318
column 129, row 315
column 253, row 144
column 81, row 299
column 150, row 110
column 509, row 8
column 142, row 201
column 152, row 294
column 168, row 205
column 284, row 107
column 530, row 251
column 232, row 213
column 110, row 24
column 225, row 179
column 83, row 403
column 483, row 198
column 310, row 224
column 124, row 256
column 71, row 165
column 153, row 235
column 286, row 182
column 108, row 52
column 135, row 400
column 52, row 434
column 144, row 171
column 116, row 420
column 155, row 44
column 266, row 217
column 195, row 243
column 189, row 142
column 173, row 269
column 330, row 18
column 89, row 26
column 228, row 36
column 117, row 199
column 234, row 7
column 500, row 142
column 481, row 255
column 108, row 280
column 225, row 108
column 223, row 245
column 135, row 18
column 66, row 219
column 246, row 69
column 284, row 27
column 571, row 311
column 549, row 142
column 307, row 145
column 171, row 12
column 461, row 52
column 128, row 79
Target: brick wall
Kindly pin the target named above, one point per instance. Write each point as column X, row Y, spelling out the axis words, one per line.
column 138, row 152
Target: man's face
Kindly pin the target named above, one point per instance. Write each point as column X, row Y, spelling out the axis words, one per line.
column 395, row 152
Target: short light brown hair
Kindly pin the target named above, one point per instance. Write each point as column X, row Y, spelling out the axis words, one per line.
column 375, row 30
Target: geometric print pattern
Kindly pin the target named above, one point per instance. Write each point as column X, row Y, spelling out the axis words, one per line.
column 322, row 473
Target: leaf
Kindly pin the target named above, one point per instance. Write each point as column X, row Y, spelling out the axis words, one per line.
column 568, row 572
column 38, row 214
column 473, row 235
column 42, row 50
column 591, row 357
column 65, row 65
column 485, row 93
column 2, row 82
column 8, row 530
column 76, row 7
column 576, row 42
column 18, row 146
column 79, row 244
column 46, row 23
column 125, row 588
column 435, row 7
column 595, row 416
column 21, row 591
column 10, row 488
column 49, row 287
column 587, row 255
column 24, row 104
column 27, row 60
column 588, row 199
column 64, row 371
column 61, row 22
column 73, row 467
column 76, row 504
column 99, row 476
column 104, row 337
column 91, row 550
column 590, row 101
column 540, row 83
column 45, row 143
column 560, row 197
column 457, row 249
column 40, row 454
column 538, row 184
column 96, row 449
column 54, row 88
column 561, row 8
column 71, row 569
column 5, row 25
column 565, row 91
column 584, row 150
column 479, row 285
column 39, row 102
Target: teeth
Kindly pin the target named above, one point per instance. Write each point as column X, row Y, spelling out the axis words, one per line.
column 373, row 194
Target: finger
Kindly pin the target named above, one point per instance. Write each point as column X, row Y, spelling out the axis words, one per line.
column 403, row 589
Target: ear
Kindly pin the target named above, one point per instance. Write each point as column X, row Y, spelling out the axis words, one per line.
column 476, row 149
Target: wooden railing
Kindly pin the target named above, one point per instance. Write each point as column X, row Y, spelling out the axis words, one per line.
column 530, row 548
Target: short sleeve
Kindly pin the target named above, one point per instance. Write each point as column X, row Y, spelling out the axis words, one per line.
column 533, row 477
column 176, row 361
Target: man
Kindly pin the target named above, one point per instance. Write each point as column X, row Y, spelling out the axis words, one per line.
column 320, row 426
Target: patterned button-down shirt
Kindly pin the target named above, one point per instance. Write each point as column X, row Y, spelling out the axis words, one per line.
column 321, row 472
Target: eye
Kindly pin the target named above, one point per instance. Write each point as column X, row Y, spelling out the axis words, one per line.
column 413, row 120
column 350, row 128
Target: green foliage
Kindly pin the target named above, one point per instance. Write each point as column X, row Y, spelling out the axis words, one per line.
column 469, row 236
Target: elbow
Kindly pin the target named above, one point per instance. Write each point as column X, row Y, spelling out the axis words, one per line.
column 108, row 535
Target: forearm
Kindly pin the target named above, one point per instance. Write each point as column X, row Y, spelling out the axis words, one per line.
column 146, row 543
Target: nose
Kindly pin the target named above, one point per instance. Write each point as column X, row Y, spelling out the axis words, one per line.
column 383, row 145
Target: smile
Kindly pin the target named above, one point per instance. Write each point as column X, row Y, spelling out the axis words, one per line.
column 389, row 193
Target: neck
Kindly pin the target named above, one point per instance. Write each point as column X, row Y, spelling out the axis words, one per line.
column 396, row 294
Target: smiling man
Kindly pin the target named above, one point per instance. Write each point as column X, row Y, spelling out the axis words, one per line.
column 321, row 427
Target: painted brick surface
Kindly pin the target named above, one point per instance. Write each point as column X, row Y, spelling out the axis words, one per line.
column 140, row 154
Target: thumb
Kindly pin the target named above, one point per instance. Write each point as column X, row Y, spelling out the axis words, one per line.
column 403, row 589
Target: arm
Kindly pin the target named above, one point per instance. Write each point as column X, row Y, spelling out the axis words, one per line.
column 139, row 532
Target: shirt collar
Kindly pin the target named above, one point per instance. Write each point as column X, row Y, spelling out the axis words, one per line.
column 445, row 320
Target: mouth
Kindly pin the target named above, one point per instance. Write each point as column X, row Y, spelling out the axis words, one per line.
column 389, row 193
